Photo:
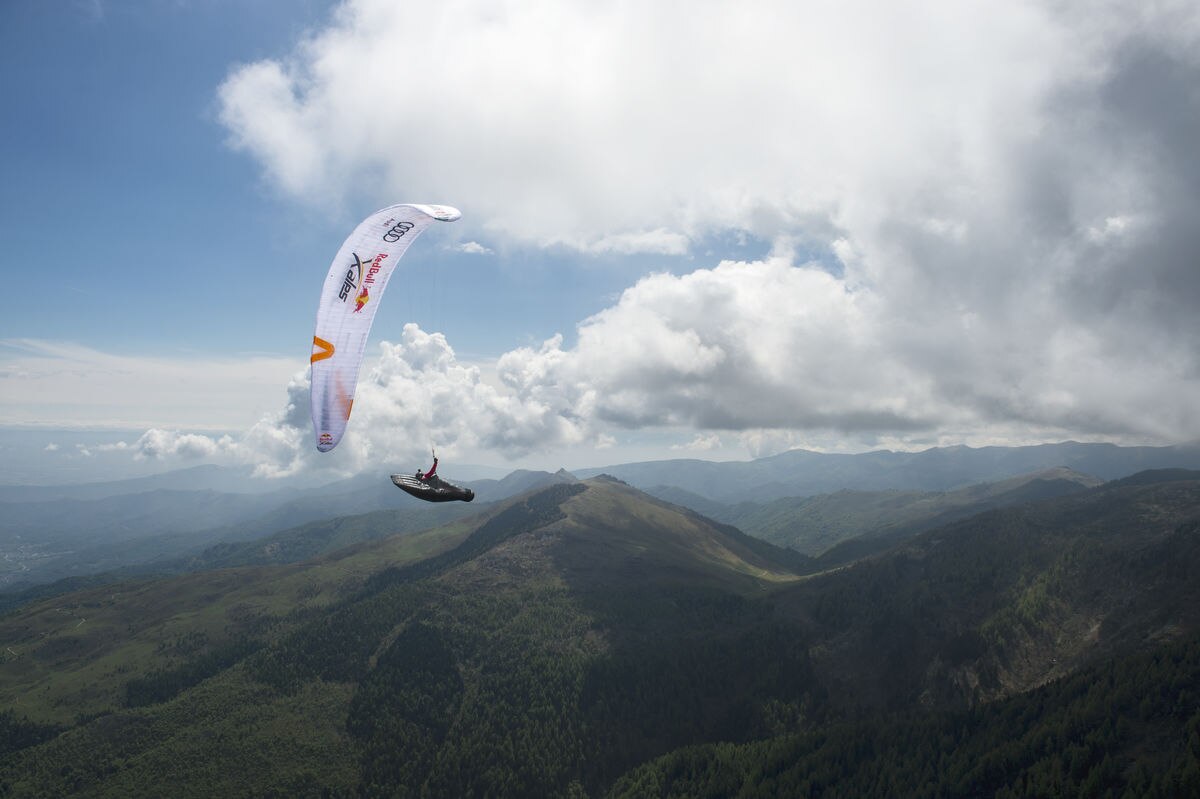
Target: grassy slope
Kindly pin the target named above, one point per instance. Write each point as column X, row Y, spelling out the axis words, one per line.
column 643, row 538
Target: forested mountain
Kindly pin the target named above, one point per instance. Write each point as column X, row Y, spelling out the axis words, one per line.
column 1008, row 599
column 1129, row 727
column 586, row 638
column 874, row 519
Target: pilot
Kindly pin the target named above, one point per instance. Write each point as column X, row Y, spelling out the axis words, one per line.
column 424, row 477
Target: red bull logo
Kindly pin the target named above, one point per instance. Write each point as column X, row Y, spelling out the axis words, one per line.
column 364, row 295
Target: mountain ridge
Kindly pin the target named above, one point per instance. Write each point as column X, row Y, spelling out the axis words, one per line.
column 39, row 542
column 804, row 473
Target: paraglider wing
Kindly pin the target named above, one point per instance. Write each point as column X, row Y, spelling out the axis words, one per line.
column 353, row 289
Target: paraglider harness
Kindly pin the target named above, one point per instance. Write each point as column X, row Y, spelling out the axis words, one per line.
column 431, row 488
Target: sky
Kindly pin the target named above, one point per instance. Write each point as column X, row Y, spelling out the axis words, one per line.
column 717, row 230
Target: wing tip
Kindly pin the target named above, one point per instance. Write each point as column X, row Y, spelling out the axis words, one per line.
column 442, row 213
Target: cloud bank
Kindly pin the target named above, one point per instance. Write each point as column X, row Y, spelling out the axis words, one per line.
column 1008, row 191
column 44, row 383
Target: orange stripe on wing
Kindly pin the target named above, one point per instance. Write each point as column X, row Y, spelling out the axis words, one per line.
column 325, row 351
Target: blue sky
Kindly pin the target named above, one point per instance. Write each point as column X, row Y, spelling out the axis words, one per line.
column 116, row 161
column 114, row 136
column 719, row 236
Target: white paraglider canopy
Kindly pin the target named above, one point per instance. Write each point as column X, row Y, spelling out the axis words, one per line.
column 353, row 290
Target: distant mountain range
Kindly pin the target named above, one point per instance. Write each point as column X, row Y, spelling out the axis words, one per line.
column 800, row 473
column 49, row 533
column 793, row 473
column 817, row 524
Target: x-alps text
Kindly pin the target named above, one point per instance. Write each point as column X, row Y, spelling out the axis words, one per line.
column 351, row 279
column 354, row 275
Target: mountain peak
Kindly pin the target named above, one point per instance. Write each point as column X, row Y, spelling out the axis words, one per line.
column 614, row 533
column 604, row 535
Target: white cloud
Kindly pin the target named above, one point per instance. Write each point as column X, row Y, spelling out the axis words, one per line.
column 742, row 345
column 156, row 443
column 769, row 346
column 701, row 443
column 413, row 395
column 1008, row 193
column 660, row 241
column 958, row 150
column 473, row 248
column 783, row 355
column 631, row 127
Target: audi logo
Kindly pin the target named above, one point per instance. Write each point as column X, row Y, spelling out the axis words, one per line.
column 398, row 230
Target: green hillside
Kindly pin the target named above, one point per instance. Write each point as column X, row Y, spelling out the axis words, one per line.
column 1050, row 650
column 325, row 673
column 1006, row 600
column 867, row 521
column 580, row 632
column 1128, row 728
column 71, row 657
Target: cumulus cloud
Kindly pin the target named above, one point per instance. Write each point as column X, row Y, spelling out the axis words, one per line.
column 156, row 443
column 273, row 445
column 1009, row 194
column 414, row 394
column 701, row 443
column 628, row 127
column 742, row 345
column 771, row 346
column 776, row 354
